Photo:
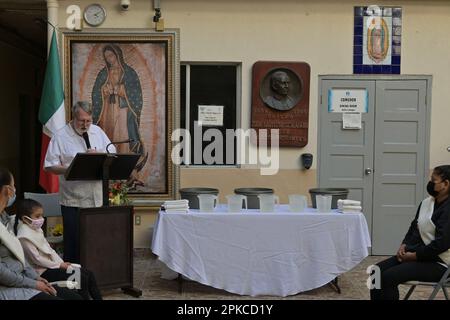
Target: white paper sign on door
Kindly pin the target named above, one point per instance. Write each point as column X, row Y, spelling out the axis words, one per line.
column 348, row 100
column 351, row 120
column 210, row 115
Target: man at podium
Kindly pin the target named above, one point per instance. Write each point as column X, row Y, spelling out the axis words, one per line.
column 78, row 136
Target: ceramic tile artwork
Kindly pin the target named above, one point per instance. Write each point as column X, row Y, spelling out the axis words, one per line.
column 377, row 40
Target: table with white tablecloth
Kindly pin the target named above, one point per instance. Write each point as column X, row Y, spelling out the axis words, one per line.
column 279, row 253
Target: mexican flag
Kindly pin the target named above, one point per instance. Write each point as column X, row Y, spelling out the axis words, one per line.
column 52, row 114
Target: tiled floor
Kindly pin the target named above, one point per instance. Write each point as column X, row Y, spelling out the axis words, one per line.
column 147, row 277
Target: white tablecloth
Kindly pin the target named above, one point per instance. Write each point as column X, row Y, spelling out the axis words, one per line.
column 253, row 253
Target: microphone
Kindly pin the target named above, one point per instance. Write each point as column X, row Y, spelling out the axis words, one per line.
column 86, row 139
column 118, row 142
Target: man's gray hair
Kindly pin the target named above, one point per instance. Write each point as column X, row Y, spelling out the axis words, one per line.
column 84, row 105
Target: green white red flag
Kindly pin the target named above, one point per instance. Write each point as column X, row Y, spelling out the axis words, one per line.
column 52, row 113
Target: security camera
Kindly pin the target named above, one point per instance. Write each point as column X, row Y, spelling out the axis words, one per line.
column 125, row 4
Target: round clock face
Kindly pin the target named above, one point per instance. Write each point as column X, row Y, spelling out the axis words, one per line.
column 94, row 14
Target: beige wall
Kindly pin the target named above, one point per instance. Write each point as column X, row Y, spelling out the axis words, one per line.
column 317, row 32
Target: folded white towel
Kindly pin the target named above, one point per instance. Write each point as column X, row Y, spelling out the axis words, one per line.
column 177, row 210
column 346, row 202
column 350, row 209
column 353, row 208
column 175, row 206
column 177, row 202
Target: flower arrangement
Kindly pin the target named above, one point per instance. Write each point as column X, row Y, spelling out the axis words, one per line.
column 55, row 238
column 118, row 194
column 57, row 230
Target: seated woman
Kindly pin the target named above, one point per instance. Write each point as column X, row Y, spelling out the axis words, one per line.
column 19, row 281
column 425, row 251
column 42, row 257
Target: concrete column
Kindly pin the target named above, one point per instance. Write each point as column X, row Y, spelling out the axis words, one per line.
column 52, row 17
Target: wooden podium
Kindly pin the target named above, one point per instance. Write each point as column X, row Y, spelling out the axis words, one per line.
column 106, row 233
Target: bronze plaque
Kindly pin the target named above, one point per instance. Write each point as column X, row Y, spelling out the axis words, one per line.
column 280, row 100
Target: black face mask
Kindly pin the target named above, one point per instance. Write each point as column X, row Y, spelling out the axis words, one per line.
column 430, row 189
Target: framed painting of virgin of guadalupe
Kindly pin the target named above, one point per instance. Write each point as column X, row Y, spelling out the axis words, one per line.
column 129, row 78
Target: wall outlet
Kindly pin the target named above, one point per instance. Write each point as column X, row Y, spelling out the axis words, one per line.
column 137, row 220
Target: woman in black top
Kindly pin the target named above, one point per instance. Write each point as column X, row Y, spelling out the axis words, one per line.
column 424, row 252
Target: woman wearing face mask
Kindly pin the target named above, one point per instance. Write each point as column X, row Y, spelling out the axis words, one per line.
column 18, row 280
column 425, row 251
column 42, row 257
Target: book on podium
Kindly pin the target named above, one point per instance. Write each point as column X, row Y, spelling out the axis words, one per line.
column 106, row 232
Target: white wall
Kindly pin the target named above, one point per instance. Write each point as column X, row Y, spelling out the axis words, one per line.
column 317, row 32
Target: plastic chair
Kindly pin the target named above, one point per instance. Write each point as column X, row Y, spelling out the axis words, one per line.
column 52, row 209
column 49, row 201
column 443, row 284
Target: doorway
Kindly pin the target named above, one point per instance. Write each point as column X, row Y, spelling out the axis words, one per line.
column 23, row 52
column 385, row 162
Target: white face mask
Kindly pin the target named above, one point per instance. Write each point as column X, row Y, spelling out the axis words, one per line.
column 35, row 223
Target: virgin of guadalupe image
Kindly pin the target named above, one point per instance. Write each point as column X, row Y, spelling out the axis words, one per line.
column 378, row 41
column 117, row 104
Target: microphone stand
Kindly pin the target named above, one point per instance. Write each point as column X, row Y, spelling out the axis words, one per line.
column 118, row 142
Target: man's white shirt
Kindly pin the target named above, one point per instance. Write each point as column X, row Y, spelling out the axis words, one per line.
column 63, row 147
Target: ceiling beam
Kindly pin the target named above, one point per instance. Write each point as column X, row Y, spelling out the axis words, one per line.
column 17, row 41
column 32, row 6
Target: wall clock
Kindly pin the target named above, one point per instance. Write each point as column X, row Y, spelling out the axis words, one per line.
column 94, row 14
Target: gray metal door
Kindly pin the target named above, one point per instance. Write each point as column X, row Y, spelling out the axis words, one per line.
column 400, row 134
column 344, row 155
column 385, row 163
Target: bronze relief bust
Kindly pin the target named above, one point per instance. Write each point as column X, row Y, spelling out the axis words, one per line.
column 281, row 89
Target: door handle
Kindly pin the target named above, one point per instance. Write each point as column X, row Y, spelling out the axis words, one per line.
column 368, row 171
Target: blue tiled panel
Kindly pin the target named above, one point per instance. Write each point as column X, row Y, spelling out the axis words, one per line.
column 358, row 30
column 396, row 50
column 357, row 40
column 386, row 69
column 357, row 68
column 358, row 50
column 395, row 69
column 358, row 11
column 396, row 12
column 376, row 69
column 359, row 21
column 367, row 68
column 396, row 40
column 397, row 21
column 395, row 60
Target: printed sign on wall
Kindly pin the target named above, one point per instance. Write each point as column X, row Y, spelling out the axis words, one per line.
column 210, row 115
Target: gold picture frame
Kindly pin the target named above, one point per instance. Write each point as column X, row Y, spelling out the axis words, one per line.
column 131, row 79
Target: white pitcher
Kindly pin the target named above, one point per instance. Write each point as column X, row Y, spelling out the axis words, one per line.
column 297, row 203
column 267, row 202
column 235, row 202
column 207, row 202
